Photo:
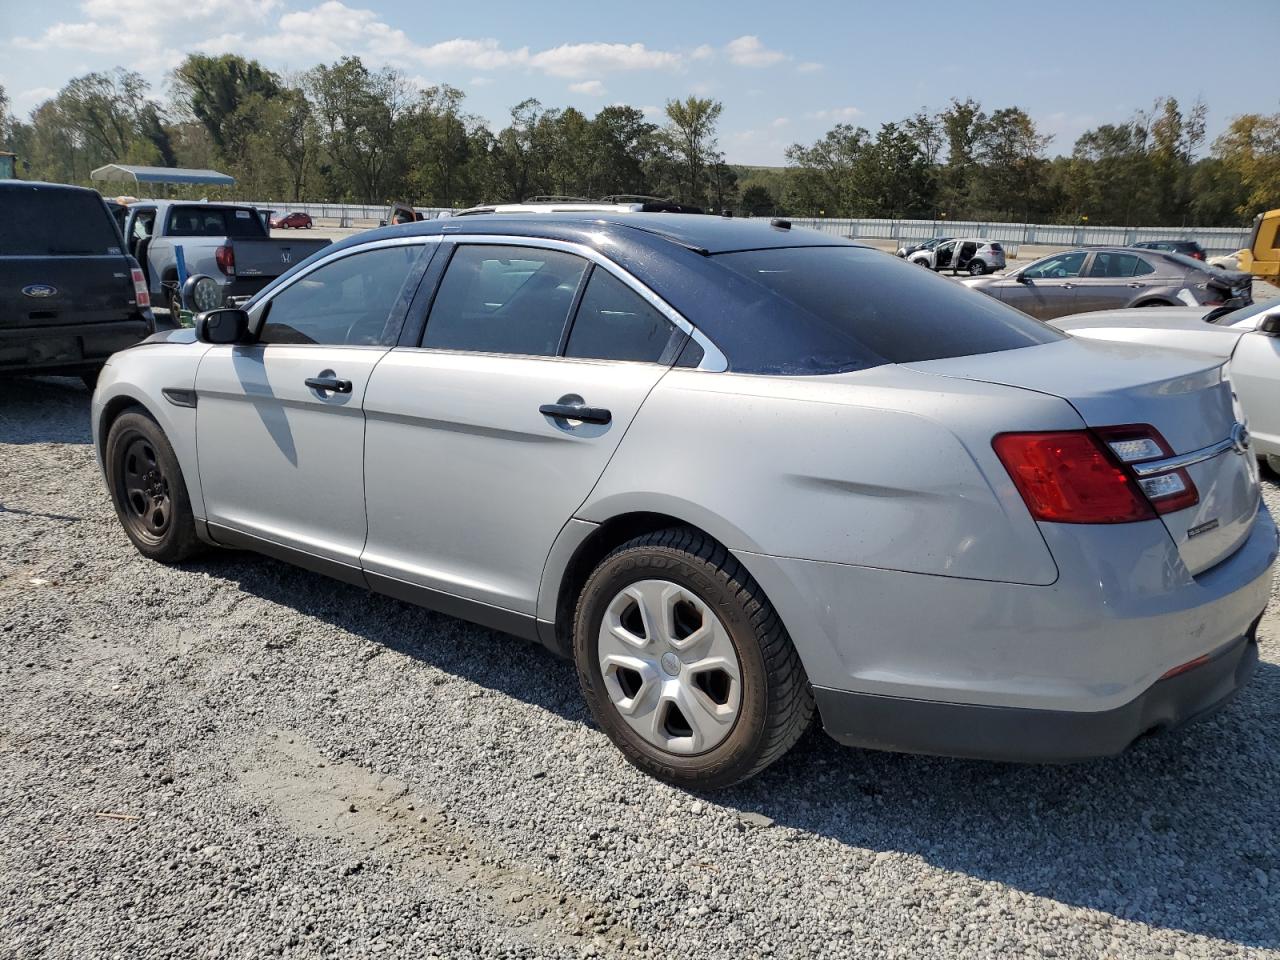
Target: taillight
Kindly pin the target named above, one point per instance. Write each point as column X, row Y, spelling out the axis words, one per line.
column 1068, row 476
column 1138, row 443
column 1086, row 476
column 141, row 295
column 226, row 260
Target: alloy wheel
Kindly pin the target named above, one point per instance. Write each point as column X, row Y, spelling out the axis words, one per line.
column 669, row 667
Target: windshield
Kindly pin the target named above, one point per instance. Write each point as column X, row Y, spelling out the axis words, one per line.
column 43, row 221
column 863, row 301
column 1232, row 317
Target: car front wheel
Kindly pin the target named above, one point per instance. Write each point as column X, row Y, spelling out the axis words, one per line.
column 684, row 663
column 148, row 489
column 977, row 268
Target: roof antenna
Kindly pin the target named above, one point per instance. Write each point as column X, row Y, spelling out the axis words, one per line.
column 780, row 223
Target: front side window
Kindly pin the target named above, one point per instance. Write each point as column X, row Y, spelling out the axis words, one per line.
column 857, row 302
column 498, row 299
column 614, row 322
column 345, row 302
column 1056, row 267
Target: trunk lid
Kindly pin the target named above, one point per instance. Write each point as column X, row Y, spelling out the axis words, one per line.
column 1183, row 395
column 50, row 291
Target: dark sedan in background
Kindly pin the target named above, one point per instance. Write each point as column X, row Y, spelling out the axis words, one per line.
column 1107, row 278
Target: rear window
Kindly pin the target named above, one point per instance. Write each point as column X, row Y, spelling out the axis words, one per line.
column 1182, row 260
column 48, row 222
column 861, row 301
column 214, row 222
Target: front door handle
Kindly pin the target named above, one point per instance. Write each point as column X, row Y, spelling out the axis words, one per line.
column 329, row 384
column 575, row 411
column 1068, row 286
column 1136, row 284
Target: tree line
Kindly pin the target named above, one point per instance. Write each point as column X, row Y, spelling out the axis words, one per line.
column 349, row 132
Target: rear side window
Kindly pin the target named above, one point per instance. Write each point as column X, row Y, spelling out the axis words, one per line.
column 862, row 301
column 1108, row 264
column 49, row 222
column 615, row 323
column 214, row 222
column 496, row 299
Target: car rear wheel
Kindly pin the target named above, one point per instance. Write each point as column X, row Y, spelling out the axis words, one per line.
column 148, row 490
column 1273, row 461
column 977, row 268
column 684, row 663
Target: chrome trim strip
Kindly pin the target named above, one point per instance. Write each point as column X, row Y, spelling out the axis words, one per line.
column 712, row 359
column 1152, row 467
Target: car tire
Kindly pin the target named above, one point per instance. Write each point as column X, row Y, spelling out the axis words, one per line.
column 1273, row 461
column 977, row 268
column 148, row 490
column 720, row 653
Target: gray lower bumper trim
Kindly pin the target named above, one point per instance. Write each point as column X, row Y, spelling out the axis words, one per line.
column 1035, row 736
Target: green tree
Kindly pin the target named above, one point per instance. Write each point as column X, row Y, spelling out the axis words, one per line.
column 212, row 90
column 1250, row 151
column 757, row 201
column 691, row 135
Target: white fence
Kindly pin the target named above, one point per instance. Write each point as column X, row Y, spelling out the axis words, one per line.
column 1215, row 240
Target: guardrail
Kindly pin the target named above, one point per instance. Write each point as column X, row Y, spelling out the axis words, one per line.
column 1215, row 240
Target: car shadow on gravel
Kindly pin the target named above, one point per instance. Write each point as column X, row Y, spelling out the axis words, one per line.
column 1181, row 832
column 44, row 410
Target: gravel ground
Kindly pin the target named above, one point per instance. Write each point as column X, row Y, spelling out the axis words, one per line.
column 242, row 759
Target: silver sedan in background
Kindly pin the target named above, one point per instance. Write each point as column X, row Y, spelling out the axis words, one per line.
column 739, row 473
column 1106, row 278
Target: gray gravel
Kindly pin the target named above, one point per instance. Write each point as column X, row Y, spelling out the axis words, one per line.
column 238, row 758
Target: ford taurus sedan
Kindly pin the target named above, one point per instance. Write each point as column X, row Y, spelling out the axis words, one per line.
column 1106, row 278
column 738, row 472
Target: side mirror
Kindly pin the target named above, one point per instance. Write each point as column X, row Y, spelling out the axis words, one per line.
column 1022, row 278
column 201, row 293
column 228, row 325
column 1270, row 326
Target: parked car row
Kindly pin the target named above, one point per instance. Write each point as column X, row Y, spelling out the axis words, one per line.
column 483, row 417
column 1105, row 278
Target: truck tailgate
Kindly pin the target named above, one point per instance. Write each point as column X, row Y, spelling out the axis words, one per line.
column 270, row 257
column 49, row 291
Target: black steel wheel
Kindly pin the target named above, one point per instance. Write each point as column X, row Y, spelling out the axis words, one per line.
column 148, row 489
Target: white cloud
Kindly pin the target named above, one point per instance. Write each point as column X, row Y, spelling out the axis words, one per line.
column 780, row 122
column 809, row 66
column 24, row 101
column 137, row 27
column 703, row 52
column 748, row 51
column 592, row 88
column 481, row 81
column 836, row 113
column 581, row 59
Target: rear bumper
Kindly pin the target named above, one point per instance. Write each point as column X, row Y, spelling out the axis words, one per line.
column 67, row 347
column 1037, row 736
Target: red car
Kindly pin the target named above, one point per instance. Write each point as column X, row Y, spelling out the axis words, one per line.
column 296, row 220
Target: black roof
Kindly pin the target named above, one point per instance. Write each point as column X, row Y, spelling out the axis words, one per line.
column 702, row 233
column 41, row 185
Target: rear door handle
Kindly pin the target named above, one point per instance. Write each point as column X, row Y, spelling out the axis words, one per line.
column 574, row 411
column 330, row 384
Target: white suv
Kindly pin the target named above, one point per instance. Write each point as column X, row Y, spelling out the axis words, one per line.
column 970, row 254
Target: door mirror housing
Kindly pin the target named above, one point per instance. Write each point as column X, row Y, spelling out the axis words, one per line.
column 1270, row 326
column 228, row 325
column 1022, row 278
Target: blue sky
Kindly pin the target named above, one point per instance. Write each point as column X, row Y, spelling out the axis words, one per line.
column 785, row 72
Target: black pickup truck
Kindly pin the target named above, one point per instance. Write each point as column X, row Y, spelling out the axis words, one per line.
column 69, row 294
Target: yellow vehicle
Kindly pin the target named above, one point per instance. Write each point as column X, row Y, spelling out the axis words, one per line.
column 1262, row 256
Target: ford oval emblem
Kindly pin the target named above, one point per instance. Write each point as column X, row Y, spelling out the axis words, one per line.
column 39, row 290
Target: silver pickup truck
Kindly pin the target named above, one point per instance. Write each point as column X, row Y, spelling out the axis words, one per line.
column 226, row 241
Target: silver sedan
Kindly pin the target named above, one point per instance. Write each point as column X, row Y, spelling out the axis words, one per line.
column 739, row 473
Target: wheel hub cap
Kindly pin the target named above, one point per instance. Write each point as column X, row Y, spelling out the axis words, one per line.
column 669, row 667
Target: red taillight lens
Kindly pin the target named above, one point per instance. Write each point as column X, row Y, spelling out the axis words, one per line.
column 1070, row 477
column 226, row 260
column 141, row 295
